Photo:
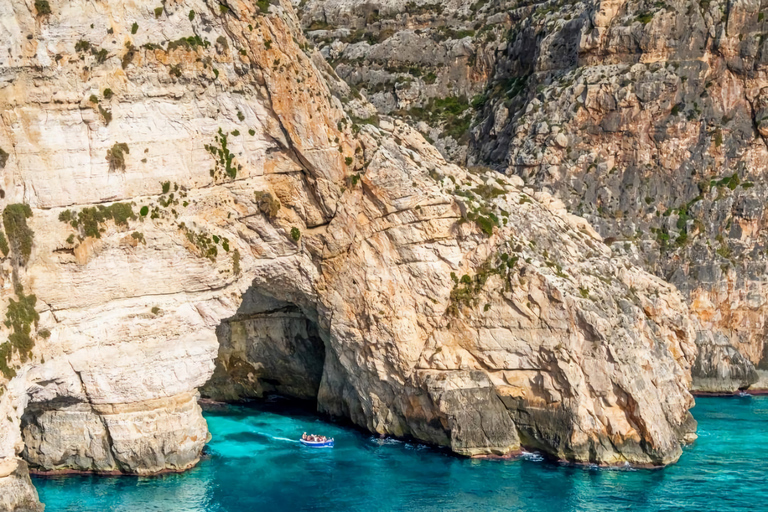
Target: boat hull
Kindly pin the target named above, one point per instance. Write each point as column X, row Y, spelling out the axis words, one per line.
column 324, row 444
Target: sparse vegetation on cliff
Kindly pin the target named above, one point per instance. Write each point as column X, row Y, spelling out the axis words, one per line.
column 116, row 155
column 267, row 204
column 225, row 164
column 20, row 317
column 20, row 235
column 42, row 7
column 89, row 221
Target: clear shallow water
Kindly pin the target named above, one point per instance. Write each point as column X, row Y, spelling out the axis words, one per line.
column 254, row 465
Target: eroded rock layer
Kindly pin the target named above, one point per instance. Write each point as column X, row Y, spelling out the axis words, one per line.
column 172, row 167
column 648, row 119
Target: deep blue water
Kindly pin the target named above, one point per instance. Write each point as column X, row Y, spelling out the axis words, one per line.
column 254, row 465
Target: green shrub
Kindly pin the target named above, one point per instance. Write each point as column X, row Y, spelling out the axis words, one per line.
column 263, row 6
column 20, row 317
column 4, row 158
column 42, row 7
column 106, row 114
column 93, row 98
column 158, row 12
column 4, row 244
column 134, row 28
column 191, row 15
column 82, row 46
column 348, row 160
column 223, row 156
column 166, row 186
column 251, row 132
column 236, row 262
column 20, row 235
column 89, row 220
column 144, row 211
column 116, row 156
column 108, row 93
column 267, row 204
column 295, row 234
column 137, row 235
column 101, row 56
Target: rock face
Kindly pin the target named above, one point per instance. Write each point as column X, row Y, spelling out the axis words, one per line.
column 649, row 121
column 182, row 182
column 423, row 62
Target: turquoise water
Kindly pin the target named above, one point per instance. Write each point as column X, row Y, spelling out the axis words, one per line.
column 254, row 464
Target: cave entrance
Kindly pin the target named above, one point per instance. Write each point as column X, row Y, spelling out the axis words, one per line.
column 269, row 347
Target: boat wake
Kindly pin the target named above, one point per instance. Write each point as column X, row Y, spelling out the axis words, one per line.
column 276, row 438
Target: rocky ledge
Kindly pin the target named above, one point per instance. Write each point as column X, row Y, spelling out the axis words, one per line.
column 186, row 201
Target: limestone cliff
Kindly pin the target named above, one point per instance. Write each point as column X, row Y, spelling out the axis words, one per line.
column 181, row 185
column 648, row 119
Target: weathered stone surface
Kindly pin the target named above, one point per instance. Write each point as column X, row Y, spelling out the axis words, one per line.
column 17, row 494
column 452, row 306
column 648, row 120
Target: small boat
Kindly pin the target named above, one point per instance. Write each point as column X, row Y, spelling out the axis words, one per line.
column 328, row 443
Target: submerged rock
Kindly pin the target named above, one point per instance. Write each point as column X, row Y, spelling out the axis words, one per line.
column 177, row 181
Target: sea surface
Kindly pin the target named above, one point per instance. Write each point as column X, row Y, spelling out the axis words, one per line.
column 254, row 463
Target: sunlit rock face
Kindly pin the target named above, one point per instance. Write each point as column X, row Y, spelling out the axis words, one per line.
column 648, row 120
column 201, row 204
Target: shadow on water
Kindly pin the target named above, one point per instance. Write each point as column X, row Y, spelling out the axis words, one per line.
column 254, row 462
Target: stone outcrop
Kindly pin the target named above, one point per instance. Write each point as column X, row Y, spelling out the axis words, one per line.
column 647, row 120
column 189, row 172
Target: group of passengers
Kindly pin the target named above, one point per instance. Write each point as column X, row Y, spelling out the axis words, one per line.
column 313, row 438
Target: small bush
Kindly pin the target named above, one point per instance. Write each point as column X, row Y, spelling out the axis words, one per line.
column 4, row 245
column 166, row 186
column 144, row 211
column 240, row 116
column 158, row 12
column 295, row 234
column 236, row 262
column 108, row 93
column 93, row 98
column 348, row 160
column 101, row 56
column 263, row 6
column 42, row 7
column 116, row 156
column 82, row 46
column 267, row 204
column 20, row 235
column 251, row 132
column 191, row 15
column 134, row 28
column 4, row 157
column 137, row 235
column 106, row 114
column 155, row 310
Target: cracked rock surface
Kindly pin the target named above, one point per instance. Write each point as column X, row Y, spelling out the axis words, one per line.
column 218, row 220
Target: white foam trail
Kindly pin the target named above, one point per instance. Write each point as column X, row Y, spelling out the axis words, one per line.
column 275, row 437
